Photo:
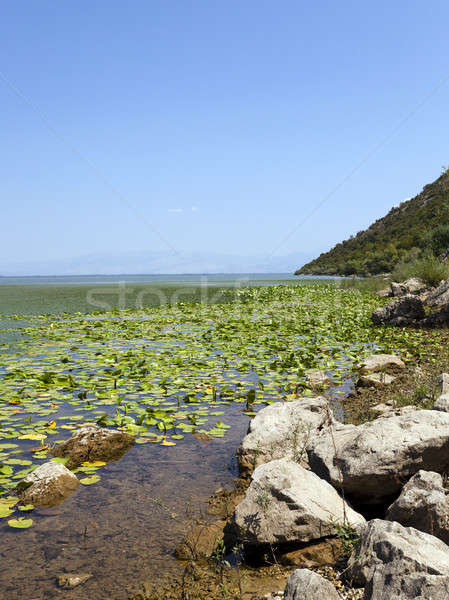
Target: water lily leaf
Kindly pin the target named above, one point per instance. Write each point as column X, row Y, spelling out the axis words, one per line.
column 90, row 480
column 20, row 523
column 26, row 507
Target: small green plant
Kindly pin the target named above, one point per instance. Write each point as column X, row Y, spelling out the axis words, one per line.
column 346, row 534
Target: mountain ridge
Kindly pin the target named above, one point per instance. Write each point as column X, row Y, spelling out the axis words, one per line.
column 402, row 234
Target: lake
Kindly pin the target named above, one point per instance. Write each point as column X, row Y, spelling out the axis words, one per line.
column 163, row 373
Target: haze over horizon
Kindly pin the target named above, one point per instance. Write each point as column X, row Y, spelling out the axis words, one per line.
column 216, row 137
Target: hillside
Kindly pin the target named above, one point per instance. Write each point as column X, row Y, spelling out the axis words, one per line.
column 403, row 233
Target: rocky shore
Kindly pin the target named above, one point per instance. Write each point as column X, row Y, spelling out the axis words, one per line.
column 346, row 511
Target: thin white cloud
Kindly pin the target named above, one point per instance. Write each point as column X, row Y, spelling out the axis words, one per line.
column 194, row 208
column 175, row 210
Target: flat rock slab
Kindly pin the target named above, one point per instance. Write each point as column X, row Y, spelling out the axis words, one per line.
column 307, row 585
column 390, row 558
column 48, row 485
column 376, row 458
column 381, row 363
column 377, row 380
column 287, row 503
column 282, row 430
column 423, row 504
column 91, row 443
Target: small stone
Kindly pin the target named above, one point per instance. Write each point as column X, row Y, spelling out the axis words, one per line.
column 70, row 580
column 307, row 585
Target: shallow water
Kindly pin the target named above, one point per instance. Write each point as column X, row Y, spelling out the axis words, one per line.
column 117, row 529
column 122, row 529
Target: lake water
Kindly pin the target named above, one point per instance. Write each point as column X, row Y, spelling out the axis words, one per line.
column 123, row 529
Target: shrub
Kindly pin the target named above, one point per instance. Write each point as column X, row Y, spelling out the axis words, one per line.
column 429, row 269
column 438, row 239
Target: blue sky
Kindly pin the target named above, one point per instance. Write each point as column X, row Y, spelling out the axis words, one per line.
column 213, row 127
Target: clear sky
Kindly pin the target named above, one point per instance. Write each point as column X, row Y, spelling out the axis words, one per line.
column 210, row 126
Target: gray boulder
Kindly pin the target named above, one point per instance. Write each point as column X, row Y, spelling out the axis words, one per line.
column 381, row 363
column 443, row 383
column 399, row 561
column 407, row 310
column 307, row 585
column 390, row 582
column 410, row 286
column 48, row 485
column 423, row 504
column 439, row 297
column 282, row 430
column 94, row 443
column 375, row 458
column 287, row 503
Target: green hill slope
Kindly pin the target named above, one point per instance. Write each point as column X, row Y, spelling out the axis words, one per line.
column 405, row 232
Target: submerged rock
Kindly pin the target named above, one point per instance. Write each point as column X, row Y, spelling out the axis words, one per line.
column 307, row 585
column 94, row 443
column 318, row 379
column 381, row 363
column 319, row 554
column 375, row 458
column 423, row 504
column 287, row 503
column 201, row 541
column 282, row 430
column 407, row 310
column 48, row 485
column 393, row 561
column 70, row 580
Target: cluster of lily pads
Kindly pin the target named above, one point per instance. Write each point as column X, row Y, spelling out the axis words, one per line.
column 167, row 372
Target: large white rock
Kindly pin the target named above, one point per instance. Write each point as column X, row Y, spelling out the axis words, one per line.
column 381, row 363
column 287, row 503
column 283, row 430
column 48, row 485
column 304, row 584
column 400, row 561
column 376, row 458
column 423, row 504
column 94, row 443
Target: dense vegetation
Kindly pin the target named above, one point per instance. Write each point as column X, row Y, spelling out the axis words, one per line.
column 415, row 229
